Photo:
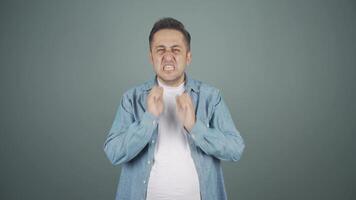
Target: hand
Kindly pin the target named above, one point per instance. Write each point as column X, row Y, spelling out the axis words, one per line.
column 185, row 110
column 155, row 103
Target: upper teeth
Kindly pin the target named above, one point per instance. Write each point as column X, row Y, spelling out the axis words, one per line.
column 168, row 67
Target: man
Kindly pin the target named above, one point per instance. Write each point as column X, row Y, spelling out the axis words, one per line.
column 171, row 132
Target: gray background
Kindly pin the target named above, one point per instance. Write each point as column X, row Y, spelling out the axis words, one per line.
column 286, row 70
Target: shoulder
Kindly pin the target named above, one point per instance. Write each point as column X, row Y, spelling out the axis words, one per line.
column 206, row 87
column 207, row 91
column 137, row 90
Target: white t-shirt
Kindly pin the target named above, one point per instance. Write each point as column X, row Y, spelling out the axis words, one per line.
column 173, row 174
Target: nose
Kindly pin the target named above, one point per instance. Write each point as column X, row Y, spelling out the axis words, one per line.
column 168, row 56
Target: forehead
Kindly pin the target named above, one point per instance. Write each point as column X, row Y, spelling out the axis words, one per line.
column 168, row 37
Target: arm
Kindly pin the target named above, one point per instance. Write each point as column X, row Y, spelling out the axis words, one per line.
column 220, row 138
column 128, row 137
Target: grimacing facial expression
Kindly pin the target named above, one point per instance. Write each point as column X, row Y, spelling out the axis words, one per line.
column 169, row 56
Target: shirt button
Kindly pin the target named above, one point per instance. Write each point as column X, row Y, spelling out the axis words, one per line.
column 153, row 141
column 207, row 125
column 144, row 182
column 154, row 122
column 148, row 162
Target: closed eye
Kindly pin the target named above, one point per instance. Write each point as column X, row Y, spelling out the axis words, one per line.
column 160, row 50
column 176, row 50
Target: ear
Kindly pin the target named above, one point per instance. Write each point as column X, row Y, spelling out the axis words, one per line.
column 189, row 57
column 150, row 57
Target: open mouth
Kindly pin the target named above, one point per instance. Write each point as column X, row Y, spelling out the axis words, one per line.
column 168, row 67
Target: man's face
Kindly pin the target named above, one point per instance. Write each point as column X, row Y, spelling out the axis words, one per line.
column 169, row 56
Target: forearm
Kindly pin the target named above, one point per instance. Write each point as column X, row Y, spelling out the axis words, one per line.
column 125, row 141
column 223, row 144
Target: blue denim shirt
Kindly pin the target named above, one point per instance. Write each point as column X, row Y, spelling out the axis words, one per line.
column 132, row 139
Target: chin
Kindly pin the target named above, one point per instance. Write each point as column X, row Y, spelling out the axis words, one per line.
column 169, row 78
column 165, row 78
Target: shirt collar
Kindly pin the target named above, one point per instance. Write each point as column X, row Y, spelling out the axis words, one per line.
column 189, row 83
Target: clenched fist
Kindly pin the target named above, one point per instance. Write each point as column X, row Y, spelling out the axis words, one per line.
column 185, row 110
column 155, row 103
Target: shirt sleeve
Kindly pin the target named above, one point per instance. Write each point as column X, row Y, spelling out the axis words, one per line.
column 127, row 136
column 219, row 137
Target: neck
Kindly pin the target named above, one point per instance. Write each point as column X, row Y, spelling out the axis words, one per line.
column 173, row 83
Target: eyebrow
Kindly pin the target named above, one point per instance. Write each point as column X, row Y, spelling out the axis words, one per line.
column 173, row 46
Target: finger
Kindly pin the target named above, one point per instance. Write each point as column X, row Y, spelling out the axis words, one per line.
column 159, row 87
column 152, row 91
column 188, row 99
column 155, row 92
column 160, row 90
column 183, row 99
column 160, row 97
column 179, row 102
column 185, row 103
column 154, row 88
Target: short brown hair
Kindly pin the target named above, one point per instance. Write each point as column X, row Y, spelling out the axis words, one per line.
column 170, row 23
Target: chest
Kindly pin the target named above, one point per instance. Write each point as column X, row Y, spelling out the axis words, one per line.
column 203, row 106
